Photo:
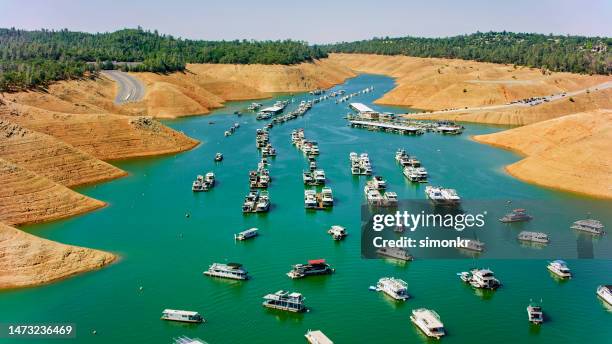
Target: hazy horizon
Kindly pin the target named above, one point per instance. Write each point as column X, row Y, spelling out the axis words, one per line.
column 313, row 21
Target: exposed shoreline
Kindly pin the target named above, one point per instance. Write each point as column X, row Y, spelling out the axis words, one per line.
column 567, row 153
column 87, row 129
column 29, row 261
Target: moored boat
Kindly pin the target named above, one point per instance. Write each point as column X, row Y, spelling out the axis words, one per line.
column 247, row 234
column 589, row 226
column 313, row 267
column 560, row 269
column 442, row 196
column 429, row 322
column 474, row 245
column 182, row 316
column 535, row 237
column 310, row 199
column 337, row 232
column 229, row 270
column 480, row 279
column 605, row 293
column 394, row 287
column 317, row 337
column 286, row 301
column 517, row 215
column 395, row 253
column 535, row 313
column 187, row 340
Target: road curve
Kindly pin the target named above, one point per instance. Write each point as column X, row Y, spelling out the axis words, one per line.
column 130, row 88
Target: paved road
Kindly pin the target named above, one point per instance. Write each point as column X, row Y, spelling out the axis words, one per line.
column 130, row 88
column 541, row 100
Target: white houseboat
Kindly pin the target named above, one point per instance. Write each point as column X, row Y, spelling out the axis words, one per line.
column 312, row 268
column 535, row 237
column 589, row 226
column 317, row 337
column 429, row 322
column 247, row 234
column 605, row 293
column 560, row 269
column 182, row 316
column 337, row 232
column 229, row 270
column 395, row 253
column 474, row 245
column 442, row 196
column 480, row 278
column 286, row 301
column 535, row 314
column 187, row 340
column 517, row 215
column 394, row 287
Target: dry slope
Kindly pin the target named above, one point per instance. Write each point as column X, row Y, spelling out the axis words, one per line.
column 200, row 89
column 27, row 260
column 570, row 152
column 26, row 197
column 51, row 158
column 436, row 84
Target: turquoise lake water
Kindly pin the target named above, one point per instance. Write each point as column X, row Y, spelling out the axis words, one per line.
column 165, row 252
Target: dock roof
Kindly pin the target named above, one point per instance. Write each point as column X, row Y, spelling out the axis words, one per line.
column 359, row 107
column 273, row 108
column 386, row 125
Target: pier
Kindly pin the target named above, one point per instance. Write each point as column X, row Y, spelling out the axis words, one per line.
column 388, row 127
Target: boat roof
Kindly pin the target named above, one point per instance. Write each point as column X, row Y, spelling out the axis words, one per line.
column 559, row 261
column 429, row 317
column 316, row 261
column 176, row 311
column 274, row 108
column 318, row 337
column 187, row 340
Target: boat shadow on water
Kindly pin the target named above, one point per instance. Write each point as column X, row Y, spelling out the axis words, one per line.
column 284, row 316
column 395, row 304
column 484, row 294
column 535, row 329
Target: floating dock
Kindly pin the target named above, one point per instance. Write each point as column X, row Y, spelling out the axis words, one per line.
column 389, row 127
column 273, row 109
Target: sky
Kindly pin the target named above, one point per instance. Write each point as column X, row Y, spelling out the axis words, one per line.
column 314, row 21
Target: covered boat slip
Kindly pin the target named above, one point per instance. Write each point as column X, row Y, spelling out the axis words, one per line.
column 400, row 128
column 361, row 108
column 275, row 109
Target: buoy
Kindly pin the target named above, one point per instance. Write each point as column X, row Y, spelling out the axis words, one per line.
column 187, row 215
column 94, row 332
column 141, row 288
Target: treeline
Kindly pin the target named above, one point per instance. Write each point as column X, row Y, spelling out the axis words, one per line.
column 31, row 59
column 575, row 54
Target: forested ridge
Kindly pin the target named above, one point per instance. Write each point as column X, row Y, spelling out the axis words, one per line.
column 575, row 54
column 31, row 59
